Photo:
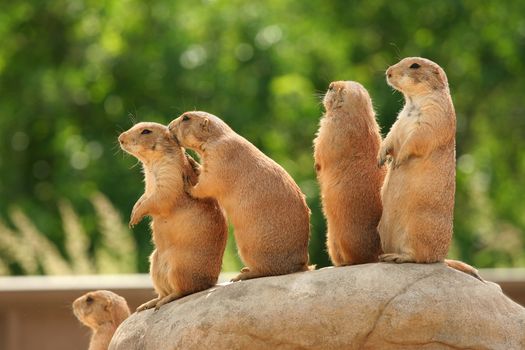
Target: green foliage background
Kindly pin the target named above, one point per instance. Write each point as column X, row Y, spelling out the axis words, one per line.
column 72, row 71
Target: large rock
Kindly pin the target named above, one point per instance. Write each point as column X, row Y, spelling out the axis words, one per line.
column 373, row 306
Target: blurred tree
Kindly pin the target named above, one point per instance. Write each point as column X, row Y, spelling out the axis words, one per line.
column 72, row 71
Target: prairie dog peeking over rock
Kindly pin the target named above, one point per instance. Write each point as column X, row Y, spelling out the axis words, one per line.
column 345, row 153
column 189, row 234
column 102, row 311
column 266, row 207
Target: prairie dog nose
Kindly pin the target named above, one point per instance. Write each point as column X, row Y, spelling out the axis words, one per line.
column 121, row 139
column 389, row 72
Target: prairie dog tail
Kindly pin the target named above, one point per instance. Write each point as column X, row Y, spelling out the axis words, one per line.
column 463, row 267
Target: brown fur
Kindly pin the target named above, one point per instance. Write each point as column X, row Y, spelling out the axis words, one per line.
column 266, row 207
column 102, row 311
column 418, row 193
column 345, row 154
column 189, row 234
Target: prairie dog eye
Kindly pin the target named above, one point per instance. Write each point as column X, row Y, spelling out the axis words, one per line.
column 185, row 118
column 414, row 66
column 145, row 132
column 89, row 300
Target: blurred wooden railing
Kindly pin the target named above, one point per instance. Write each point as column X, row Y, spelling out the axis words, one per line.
column 35, row 312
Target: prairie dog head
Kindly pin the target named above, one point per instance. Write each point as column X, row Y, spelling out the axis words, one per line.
column 100, row 307
column 193, row 129
column 416, row 76
column 148, row 141
column 348, row 95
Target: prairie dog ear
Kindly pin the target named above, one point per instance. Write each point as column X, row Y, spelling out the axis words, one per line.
column 205, row 124
column 118, row 311
column 109, row 305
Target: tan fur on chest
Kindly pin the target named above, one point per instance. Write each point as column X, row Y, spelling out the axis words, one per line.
column 149, row 181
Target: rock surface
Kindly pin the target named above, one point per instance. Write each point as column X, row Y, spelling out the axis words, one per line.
column 372, row 306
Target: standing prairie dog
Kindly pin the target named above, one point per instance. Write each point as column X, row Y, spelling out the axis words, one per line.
column 345, row 153
column 102, row 311
column 418, row 193
column 266, row 207
column 189, row 234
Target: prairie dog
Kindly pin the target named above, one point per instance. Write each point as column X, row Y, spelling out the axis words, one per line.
column 266, row 207
column 189, row 234
column 102, row 311
column 418, row 193
column 345, row 153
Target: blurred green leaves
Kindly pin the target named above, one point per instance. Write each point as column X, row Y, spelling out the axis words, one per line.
column 72, row 71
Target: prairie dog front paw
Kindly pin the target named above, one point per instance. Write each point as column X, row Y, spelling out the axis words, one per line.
column 137, row 213
column 384, row 154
